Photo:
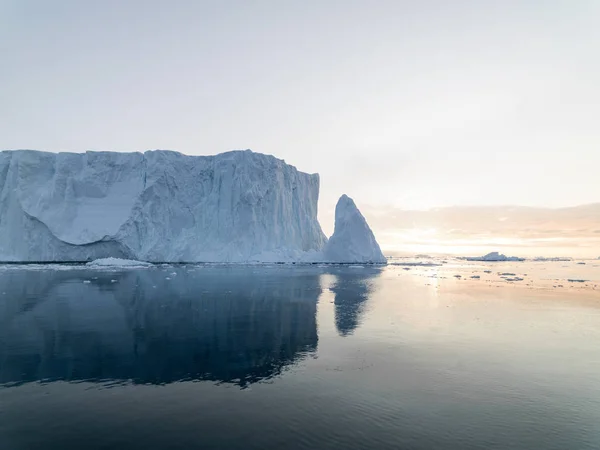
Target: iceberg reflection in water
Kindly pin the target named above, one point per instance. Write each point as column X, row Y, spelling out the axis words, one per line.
column 351, row 289
column 226, row 324
column 296, row 357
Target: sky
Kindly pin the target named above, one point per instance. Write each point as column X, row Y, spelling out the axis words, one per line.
column 399, row 104
column 477, row 230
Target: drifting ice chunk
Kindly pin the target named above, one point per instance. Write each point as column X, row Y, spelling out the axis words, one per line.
column 416, row 264
column 552, row 259
column 117, row 262
column 494, row 256
column 352, row 240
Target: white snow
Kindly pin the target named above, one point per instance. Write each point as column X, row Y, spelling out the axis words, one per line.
column 117, row 262
column 162, row 206
column 352, row 239
column 494, row 256
column 158, row 206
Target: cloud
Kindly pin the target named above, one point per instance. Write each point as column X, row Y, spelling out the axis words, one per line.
column 461, row 229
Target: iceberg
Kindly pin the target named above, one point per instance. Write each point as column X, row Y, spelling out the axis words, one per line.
column 118, row 262
column 494, row 256
column 163, row 206
column 352, row 239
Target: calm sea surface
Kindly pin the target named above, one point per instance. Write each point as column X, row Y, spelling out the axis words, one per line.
column 218, row 357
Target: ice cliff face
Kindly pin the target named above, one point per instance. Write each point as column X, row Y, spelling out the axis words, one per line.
column 352, row 239
column 156, row 206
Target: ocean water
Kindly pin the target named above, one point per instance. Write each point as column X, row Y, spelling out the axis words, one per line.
column 306, row 357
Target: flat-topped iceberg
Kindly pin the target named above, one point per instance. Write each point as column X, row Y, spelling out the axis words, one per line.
column 162, row 206
column 494, row 256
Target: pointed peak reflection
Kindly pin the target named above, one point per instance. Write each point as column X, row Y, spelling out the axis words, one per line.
column 352, row 288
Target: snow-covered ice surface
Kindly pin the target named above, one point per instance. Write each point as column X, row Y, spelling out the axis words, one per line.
column 238, row 206
column 352, row 239
column 494, row 256
column 162, row 206
column 118, row 262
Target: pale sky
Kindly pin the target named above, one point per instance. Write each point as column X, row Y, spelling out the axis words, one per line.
column 404, row 104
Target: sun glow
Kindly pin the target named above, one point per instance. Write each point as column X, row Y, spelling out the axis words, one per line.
column 435, row 242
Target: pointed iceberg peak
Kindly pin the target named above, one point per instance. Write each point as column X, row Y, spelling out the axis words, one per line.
column 352, row 240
